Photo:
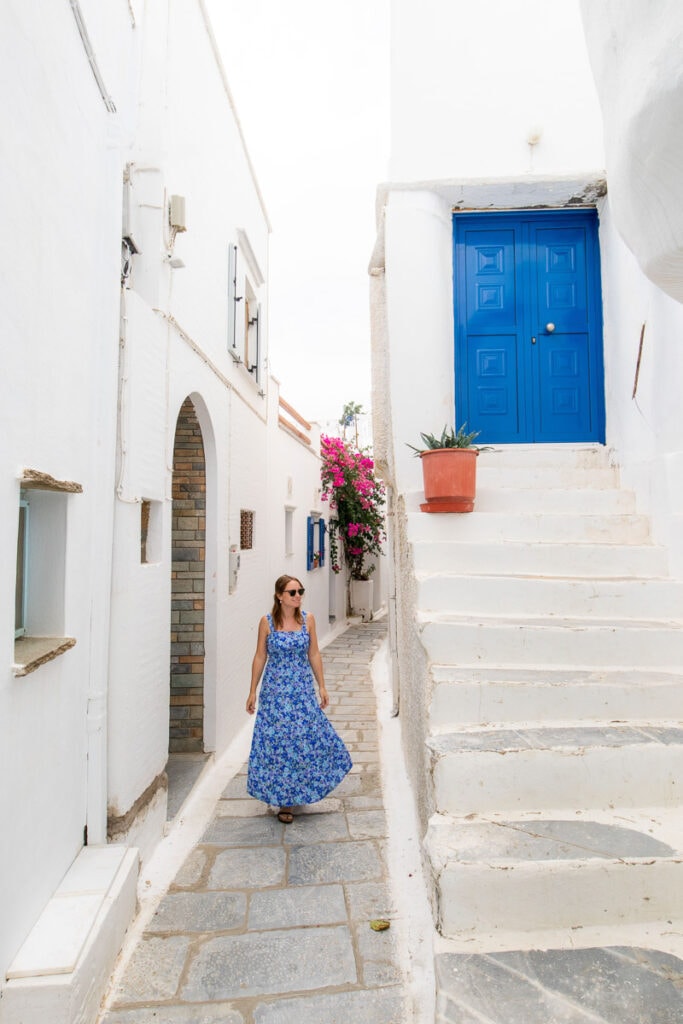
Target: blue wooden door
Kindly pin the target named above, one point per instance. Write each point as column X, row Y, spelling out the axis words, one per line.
column 528, row 351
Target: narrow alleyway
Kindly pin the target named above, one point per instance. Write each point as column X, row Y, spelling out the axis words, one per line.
column 270, row 924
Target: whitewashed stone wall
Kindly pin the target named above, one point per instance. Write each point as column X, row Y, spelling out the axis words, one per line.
column 635, row 51
column 472, row 83
column 59, row 281
column 93, row 386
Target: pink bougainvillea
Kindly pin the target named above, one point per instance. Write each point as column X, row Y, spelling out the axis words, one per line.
column 357, row 500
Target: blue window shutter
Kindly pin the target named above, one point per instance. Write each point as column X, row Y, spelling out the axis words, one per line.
column 310, row 533
column 321, row 542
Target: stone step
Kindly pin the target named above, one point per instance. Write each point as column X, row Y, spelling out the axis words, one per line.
column 535, row 456
column 527, row 769
column 533, row 558
column 471, row 695
column 584, row 500
column 539, row 643
column 551, row 501
column 526, row 477
column 548, row 874
column 596, row 985
column 532, row 526
column 560, row 597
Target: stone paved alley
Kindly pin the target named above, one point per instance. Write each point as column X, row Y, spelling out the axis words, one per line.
column 266, row 923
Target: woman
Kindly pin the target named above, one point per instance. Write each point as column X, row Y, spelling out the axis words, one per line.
column 296, row 756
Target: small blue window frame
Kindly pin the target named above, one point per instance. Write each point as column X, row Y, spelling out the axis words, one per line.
column 315, row 532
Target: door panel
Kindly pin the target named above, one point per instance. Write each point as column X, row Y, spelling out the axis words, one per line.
column 493, row 381
column 492, row 345
column 564, row 387
column 528, row 320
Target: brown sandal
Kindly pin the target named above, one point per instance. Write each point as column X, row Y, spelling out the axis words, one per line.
column 286, row 817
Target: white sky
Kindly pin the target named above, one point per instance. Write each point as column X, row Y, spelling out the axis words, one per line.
column 310, row 82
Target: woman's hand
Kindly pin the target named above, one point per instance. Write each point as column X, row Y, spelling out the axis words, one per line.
column 324, row 698
column 258, row 664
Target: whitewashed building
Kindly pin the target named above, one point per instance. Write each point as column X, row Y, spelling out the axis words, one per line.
column 536, row 643
column 156, row 480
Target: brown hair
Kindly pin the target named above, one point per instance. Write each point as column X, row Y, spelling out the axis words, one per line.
column 281, row 584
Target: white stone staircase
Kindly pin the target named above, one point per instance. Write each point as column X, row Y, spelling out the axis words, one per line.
column 555, row 642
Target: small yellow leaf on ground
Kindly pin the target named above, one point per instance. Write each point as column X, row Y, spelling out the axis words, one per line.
column 379, row 925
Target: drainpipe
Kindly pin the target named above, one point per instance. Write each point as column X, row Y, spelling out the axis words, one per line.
column 101, row 560
column 393, row 623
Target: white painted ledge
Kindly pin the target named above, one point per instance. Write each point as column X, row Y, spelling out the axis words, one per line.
column 61, row 972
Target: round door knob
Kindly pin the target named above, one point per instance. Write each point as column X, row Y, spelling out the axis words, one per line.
column 550, row 328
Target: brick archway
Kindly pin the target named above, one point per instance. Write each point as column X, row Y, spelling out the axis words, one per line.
column 186, row 727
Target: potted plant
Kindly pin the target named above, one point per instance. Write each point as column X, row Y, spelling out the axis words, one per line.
column 449, row 470
column 356, row 522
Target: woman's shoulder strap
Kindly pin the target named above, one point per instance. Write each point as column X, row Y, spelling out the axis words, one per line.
column 271, row 626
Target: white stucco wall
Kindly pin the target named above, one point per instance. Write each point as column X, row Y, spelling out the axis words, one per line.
column 635, row 50
column 645, row 431
column 418, row 238
column 59, row 283
column 88, row 732
column 471, row 82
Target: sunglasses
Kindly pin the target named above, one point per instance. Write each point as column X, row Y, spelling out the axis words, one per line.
column 293, row 593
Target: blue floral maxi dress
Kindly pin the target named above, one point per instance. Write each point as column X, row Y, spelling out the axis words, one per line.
column 296, row 755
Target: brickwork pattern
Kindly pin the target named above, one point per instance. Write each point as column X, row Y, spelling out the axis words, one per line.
column 187, row 601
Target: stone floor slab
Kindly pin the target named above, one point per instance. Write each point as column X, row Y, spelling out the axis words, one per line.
column 199, row 912
column 381, row 1006
column 262, row 867
column 236, row 808
column 292, row 908
column 378, row 956
column 258, row 963
column 334, row 862
column 316, row 828
column 217, row 1013
column 368, row 901
column 367, row 824
column 154, row 971
column 192, row 870
column 364, row 803
column 263, row 831
column 351, row 784
column 236, row 788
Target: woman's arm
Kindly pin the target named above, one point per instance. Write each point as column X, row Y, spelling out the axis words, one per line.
column 258, row 664
column 316, row 660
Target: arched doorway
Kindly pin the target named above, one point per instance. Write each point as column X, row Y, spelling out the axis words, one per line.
column 186, row 726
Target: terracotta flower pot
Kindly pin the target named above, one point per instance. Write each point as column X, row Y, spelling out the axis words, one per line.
column 450, row 476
